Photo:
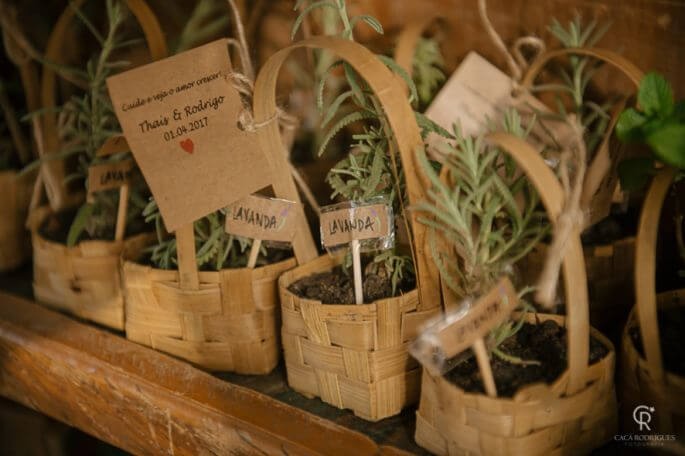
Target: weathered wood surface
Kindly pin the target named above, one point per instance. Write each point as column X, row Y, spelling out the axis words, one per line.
column 145, row 402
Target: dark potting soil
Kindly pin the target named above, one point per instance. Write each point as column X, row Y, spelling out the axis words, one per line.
column 545, row 343
column 617, row 225
column 336, row 287
column 671, row 336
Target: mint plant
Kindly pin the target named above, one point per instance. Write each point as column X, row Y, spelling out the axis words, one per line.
column 659, row 122
column 483, row 217
column 367, row 171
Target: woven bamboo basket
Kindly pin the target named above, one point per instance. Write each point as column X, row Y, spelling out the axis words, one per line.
column 229, row 324
column 351, row 356
column 644, row 381
column 571, row 416
column 15, row 195
column 85, row 279
column 370, row 371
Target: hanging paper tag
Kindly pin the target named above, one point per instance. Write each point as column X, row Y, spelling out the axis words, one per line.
column 371, row 222
column 110, row 175
column 260, row 217
column 455, row 332
column 179, row 116
column 478, row 93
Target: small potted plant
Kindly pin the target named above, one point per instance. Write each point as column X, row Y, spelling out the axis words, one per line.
column 355, row 356
column 230, row 323
column 653, row 372
column 484, row 215
column 76, row 251
column 15, row 189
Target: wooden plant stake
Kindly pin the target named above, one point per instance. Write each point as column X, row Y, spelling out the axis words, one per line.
column 465, row 328
column 352, row 222
column 262, row 218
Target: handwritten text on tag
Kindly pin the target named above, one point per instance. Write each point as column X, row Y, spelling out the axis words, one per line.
column 259, row 217
column 364, row 222
column 110, row 175
column 179, row 116
column 484, row 315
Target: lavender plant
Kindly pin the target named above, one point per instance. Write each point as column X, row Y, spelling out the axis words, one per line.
column 483, row 216
column 367, row 171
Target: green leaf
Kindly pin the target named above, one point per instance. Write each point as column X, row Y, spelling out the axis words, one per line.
column 628, row 127
column 668, row 144
column 655, row 95
column 79, row 223
column 635, row 172
column 372, row 21
column 307, row 10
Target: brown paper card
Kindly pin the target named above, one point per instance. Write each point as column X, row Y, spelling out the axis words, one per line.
column 479, row 92
column 259, row 217
column 179, row 116
column 344, row 225
column 484, row 315
column 110, row 175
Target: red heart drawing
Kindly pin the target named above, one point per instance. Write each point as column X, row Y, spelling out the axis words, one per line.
column 187, row 145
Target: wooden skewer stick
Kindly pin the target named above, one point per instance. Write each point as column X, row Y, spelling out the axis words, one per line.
column 254, row 253
column 357, row 269
column 120, row 227
column 484, row 365
column 189, row 279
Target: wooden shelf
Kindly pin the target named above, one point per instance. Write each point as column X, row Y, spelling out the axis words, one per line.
column 146, row 402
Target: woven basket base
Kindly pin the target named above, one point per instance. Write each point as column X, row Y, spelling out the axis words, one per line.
column 229, row 324
column 535, row 422
column 638, row 388
column 351, row 356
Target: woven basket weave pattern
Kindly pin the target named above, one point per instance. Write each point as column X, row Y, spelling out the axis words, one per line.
column 609, row 269
column 351, row 356
column 15, row 194
column 637, row 386
column 229, row 324
column 537, row 421
column 85, row 279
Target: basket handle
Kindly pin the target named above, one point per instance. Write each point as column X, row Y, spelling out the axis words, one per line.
column 575, row 279
column 601, row 164
column 645, row 269
column 54, row 177
column 402, row 121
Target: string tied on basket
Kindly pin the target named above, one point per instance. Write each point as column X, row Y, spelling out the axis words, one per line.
column 244, row 84
column 572, row 216
column 516, row 62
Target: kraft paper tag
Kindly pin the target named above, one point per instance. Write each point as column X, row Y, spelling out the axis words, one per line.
column 259, row 217
column 478, row 93
column 110, row 175
column 179, row 116
column 364, row 222
column 484, row 315
column 113, row 145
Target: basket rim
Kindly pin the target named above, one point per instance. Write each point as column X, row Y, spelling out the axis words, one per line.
column 45, row 211
column 127, row 261
column 607, row 359
column 629, row 348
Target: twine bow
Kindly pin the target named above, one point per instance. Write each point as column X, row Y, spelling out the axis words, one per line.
column 570, row 219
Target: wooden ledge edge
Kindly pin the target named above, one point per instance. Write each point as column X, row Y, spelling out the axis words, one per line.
column 146, row 402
